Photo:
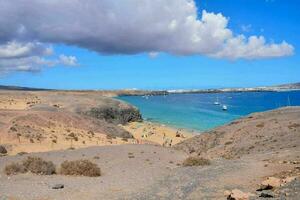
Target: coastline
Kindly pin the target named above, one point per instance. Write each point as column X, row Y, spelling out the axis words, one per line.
column 114, row 93
column 42, row 121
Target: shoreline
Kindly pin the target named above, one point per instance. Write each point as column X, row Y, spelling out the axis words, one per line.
column 193, row 131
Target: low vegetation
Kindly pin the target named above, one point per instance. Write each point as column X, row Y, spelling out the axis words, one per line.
column 294, row 125
column 260, row 125
column 22, row 153
column 34, row 165
column 39, row 166
column 115, row 115
column 14, row 168
column 195, row 161
column 3, row 150
column 80, row 168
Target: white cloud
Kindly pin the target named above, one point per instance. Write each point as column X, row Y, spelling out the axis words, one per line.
column 68, row 60
column 15, row 49
column 131, row 26
column 29, row 57
column 153, row 54
column 252, row 48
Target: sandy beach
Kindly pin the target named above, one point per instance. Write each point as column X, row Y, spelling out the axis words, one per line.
column 158, row 133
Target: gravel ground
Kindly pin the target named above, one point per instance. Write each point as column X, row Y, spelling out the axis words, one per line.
column 120, row 174
column 153, row 173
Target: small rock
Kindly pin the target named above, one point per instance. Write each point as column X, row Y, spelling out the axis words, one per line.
column 287, row 194
column 58, row 186
column 227, row 193
column 239, row 195
column 289, row 179
column 272, row 181
column 266, row 195
column 265, row 187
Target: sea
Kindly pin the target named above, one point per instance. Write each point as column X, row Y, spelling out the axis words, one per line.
column 198, row 112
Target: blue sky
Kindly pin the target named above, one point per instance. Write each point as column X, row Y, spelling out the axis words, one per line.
column 276, row 20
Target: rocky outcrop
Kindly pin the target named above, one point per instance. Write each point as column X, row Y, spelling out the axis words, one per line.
column 115, row 115
column 238, row 195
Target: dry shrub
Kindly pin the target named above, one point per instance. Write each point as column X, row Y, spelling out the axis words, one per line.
column 96, row 157
column 14, row 168
column 294, row 125
column 34, row 165
column 3, row 150
column 80, row 168
column 37, row 165
column 195, row 161
column 131, row 156
column 261, row 125
column 22, row 153
column 228, row 142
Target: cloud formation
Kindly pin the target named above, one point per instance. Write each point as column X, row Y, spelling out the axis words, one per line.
column 68, row 60
column 29, row 57
column 129, row 27
column 15, row 49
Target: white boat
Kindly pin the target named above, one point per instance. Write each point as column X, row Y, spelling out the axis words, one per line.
column 217, row 102
column 224, row 107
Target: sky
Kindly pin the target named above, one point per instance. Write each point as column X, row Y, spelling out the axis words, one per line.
column 149, row 44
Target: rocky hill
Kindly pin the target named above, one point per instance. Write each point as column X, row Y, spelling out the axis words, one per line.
column 276, row 130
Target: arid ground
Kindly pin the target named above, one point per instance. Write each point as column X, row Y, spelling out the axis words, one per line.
column 140, row 160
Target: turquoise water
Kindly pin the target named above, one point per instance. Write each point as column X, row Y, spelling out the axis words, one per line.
column 198, row 112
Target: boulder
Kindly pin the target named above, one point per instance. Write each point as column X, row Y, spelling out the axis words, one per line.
column 238, row 195
column 271, row 182
column 266, row 195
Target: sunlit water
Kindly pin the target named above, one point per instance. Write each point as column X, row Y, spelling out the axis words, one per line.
column 198, row 112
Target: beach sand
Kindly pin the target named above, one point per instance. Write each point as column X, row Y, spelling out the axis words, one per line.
column 157, row 133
